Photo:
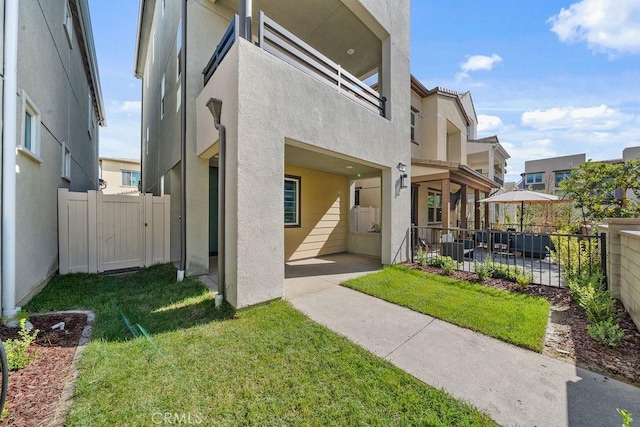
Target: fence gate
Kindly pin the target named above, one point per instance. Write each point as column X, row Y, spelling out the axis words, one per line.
column 98, row 232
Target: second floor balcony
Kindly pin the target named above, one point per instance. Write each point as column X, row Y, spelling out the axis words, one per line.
column 351, row 71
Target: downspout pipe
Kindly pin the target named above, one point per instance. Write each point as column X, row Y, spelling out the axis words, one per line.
column 9, row 143
column 183, row 148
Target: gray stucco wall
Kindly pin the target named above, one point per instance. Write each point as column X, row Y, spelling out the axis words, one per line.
column 52, row 74
column 265, row 103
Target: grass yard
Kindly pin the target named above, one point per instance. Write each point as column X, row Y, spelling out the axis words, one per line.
column 266, row 365
column 515, row 318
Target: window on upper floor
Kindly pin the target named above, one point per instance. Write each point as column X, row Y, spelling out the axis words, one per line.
column 292, row 201
column 30, row 128
column 66, row 162
column 67, row 23
column 533, row 178
column 179, row 51
column 413, row 127
column 130, row 178
column 560, row 175
column 162, row 92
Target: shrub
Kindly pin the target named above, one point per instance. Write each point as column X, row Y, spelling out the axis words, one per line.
column 446, row 263
column 483, row 269
column 508, row 272
column 16, row 349
column 607, row 332
column 421, row 257
column 523, row 281
column 576, row 257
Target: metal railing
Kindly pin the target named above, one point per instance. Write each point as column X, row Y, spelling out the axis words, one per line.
column 278, row 41
column 546, row 258
column 228, row 39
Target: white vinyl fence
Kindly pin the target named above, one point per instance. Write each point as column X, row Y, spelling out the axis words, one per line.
column 99, row 232
column 363, row 218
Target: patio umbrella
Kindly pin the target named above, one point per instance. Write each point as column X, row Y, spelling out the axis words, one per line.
column 522, row 197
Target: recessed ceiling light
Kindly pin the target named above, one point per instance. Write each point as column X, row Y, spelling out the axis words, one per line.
column 349, row 167
column 351, row 51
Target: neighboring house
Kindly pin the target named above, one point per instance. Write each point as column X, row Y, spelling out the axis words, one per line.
column 52, row 108
column 446, row 157
column 301, row 128
column 448, row 164
column 119, row 176
column 545, row 174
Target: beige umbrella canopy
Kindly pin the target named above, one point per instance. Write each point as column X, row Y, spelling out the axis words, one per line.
column 522, row 197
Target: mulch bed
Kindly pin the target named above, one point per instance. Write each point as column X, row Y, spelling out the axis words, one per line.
column 567, row 338
column 35, row 391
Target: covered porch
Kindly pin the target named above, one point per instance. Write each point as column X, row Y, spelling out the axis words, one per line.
column 447, row 194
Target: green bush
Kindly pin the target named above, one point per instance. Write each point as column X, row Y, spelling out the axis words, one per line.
column 607, row 332
column 576, row 257
column 446, row 263
column 483, row 269
column 508, row 272
column 16, row 349
column 421, row 257
column 523, row 280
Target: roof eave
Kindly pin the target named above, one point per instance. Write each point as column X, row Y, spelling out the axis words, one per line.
column 87, row 34
column 145, row 19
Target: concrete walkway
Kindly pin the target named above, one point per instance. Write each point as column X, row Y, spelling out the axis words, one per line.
column 514, row 386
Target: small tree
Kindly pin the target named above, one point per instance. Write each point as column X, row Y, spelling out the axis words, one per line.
column 593, row 185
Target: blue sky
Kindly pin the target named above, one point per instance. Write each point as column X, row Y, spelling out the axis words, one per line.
column 549, row 78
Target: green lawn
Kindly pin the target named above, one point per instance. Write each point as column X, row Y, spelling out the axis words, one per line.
column 515, row 318
column 267, row 365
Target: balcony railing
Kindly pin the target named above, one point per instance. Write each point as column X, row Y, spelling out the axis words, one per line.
column 228, row 39
column 278, row 41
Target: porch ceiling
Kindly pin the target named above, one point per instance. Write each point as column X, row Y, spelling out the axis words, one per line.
column 297, row 156
column 327, row 25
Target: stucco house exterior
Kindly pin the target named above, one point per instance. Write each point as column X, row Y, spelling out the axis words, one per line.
column 52, row 111
column 119, row 175
column 272, row 179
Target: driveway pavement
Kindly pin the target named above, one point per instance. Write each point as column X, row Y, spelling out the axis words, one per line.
column 514, row 386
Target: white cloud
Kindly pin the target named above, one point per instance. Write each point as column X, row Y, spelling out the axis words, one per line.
column 609, row 26
column 598, row 118
column 476, row 63
column 489, row 124
column 528, row 150
column 129, row 107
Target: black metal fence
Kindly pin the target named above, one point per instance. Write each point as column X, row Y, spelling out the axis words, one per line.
column 545, row 258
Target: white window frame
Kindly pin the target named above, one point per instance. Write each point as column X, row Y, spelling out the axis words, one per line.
column 67, row 23
column 66, row 162
column 298, row 181
column 162, row 93
column 130, row 172
column 29, row 107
